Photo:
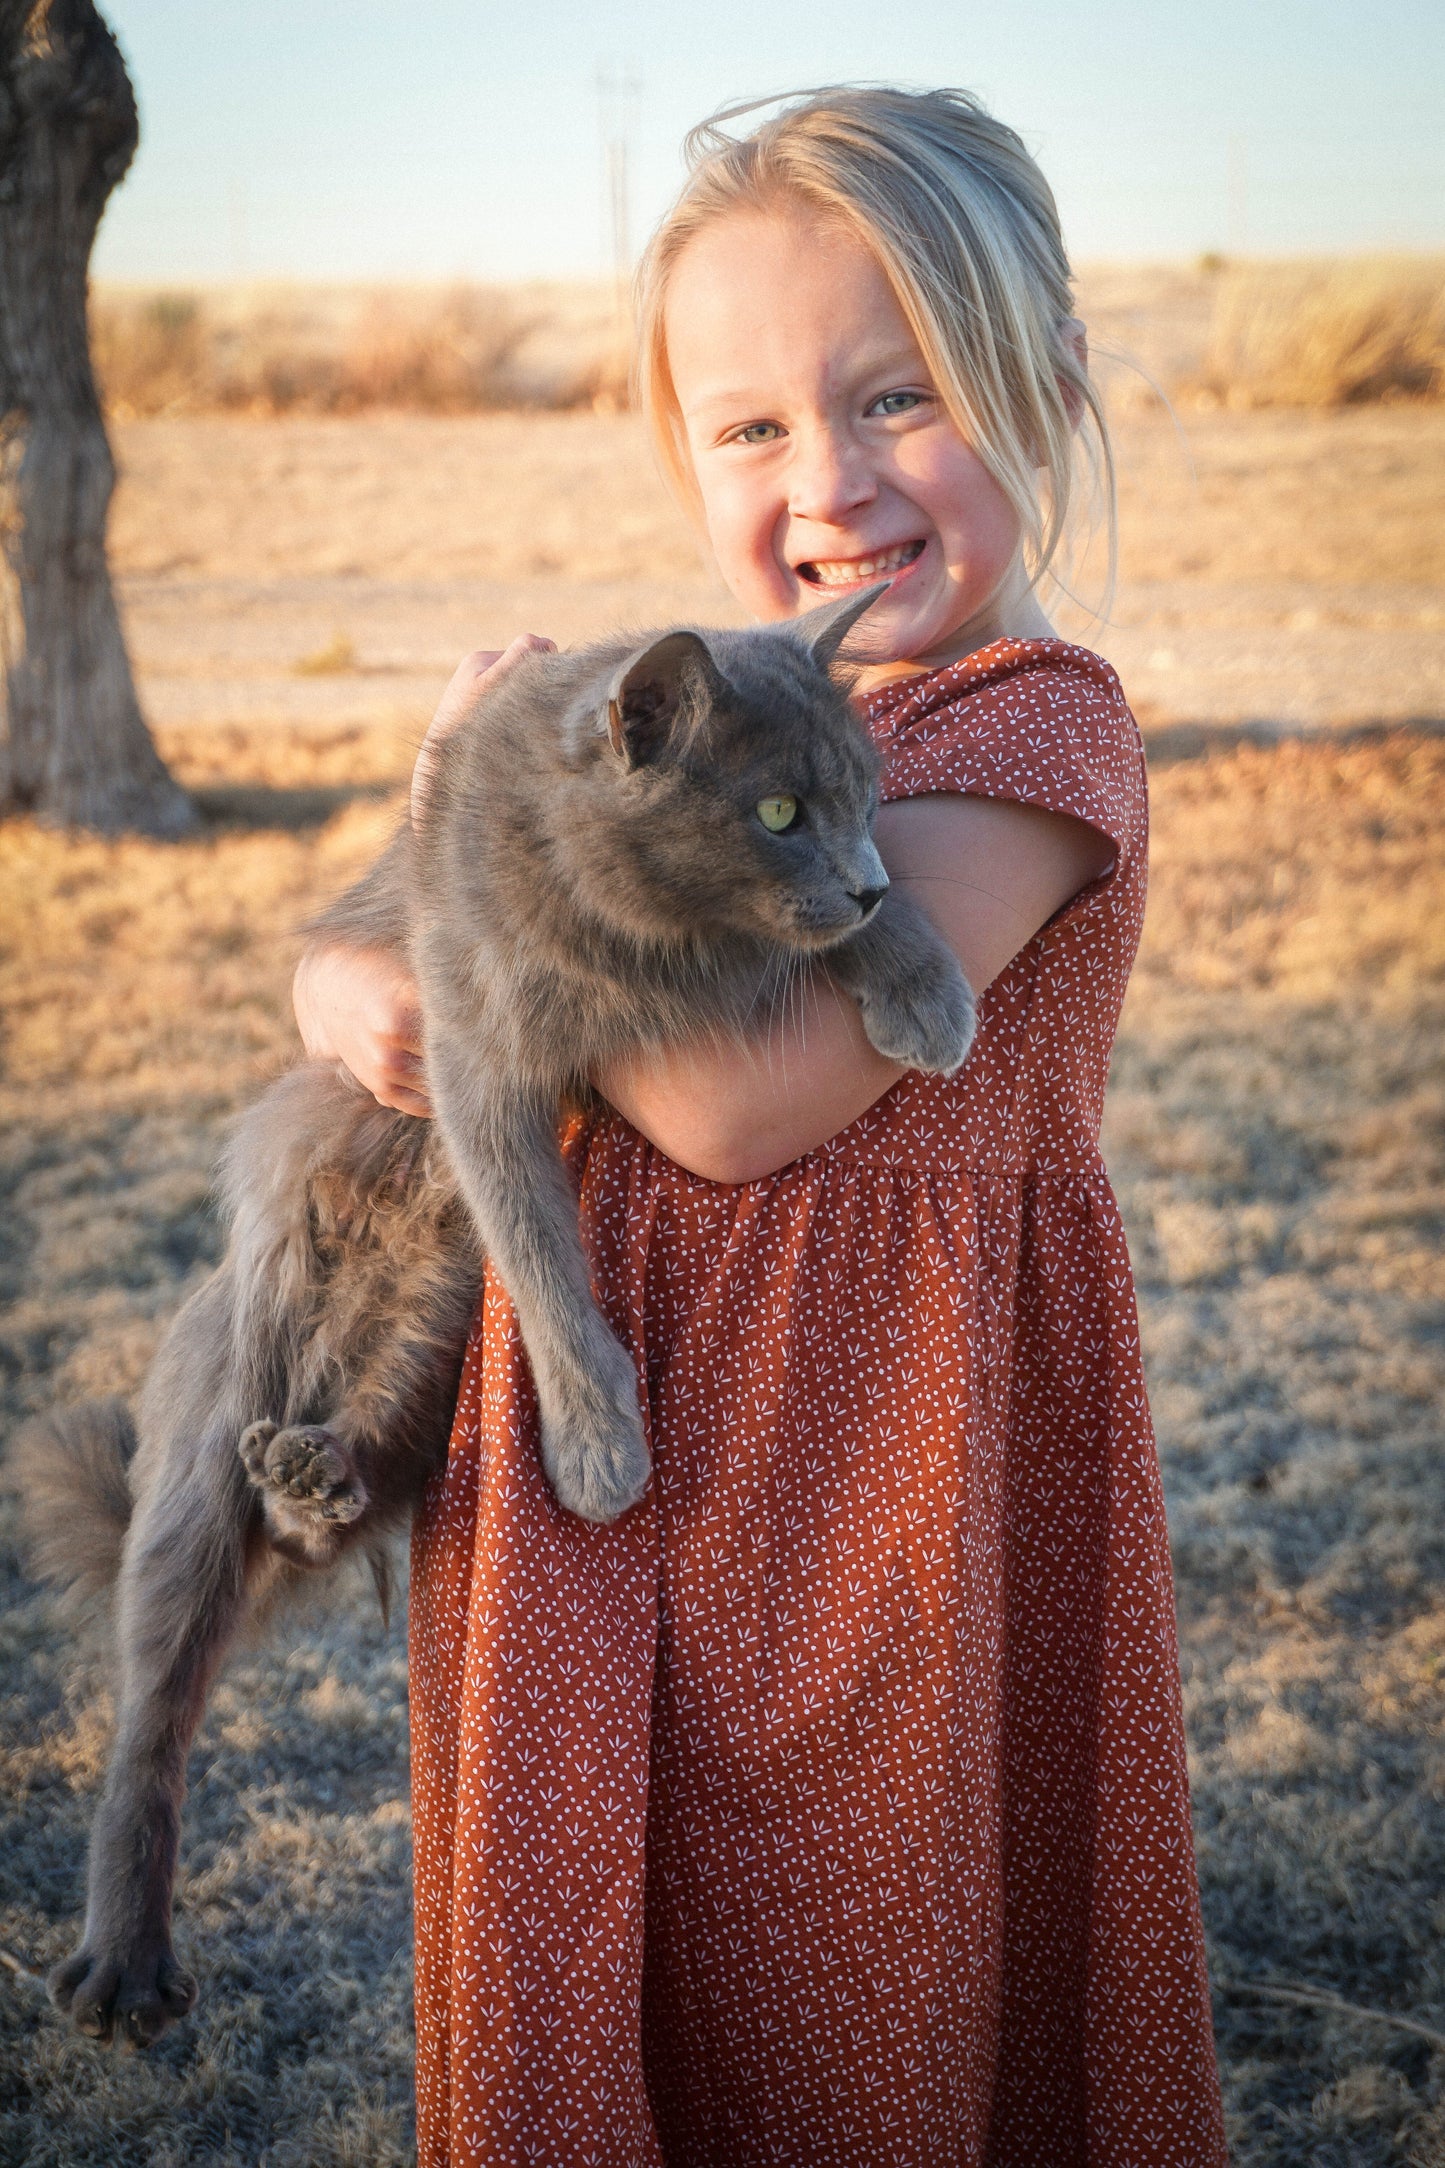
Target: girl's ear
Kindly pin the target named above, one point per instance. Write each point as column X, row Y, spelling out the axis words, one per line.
column 1075, row 335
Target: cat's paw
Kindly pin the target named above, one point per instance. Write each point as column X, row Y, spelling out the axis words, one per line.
column 593, row 1447
column 307, row 1479
column 926, row 1021
column 126, row 1995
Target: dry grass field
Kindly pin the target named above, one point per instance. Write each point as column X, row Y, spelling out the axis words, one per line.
column 1242, row 334
column 296, row 590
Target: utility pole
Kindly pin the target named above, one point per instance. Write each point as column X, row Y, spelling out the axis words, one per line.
column 1236, row 224
column 617, row 93
column 240, row 230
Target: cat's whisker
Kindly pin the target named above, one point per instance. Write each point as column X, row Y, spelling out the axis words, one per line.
column 788, row 980
column 793, row 1004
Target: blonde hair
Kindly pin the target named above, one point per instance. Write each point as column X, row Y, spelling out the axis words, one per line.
column 966, row 230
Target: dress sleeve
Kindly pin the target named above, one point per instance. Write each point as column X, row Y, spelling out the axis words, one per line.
column 1039, row 722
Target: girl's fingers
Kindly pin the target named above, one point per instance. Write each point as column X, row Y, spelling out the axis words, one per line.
column 526, row 643
column 399, row 1063
column 360, row 1007
column 405, row 1102
column 402, row 1044
column 461, row 687
column 399, row 1080
column 481, row 667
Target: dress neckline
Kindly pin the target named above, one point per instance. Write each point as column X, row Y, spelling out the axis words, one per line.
column 905, row 699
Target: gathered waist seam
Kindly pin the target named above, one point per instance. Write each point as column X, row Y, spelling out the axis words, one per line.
column 994, row 1170
column 1017, row 1174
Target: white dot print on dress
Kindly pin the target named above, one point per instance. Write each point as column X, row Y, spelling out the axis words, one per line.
column 832, row 1806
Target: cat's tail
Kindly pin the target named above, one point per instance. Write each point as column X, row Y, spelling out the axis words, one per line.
column 71, row 1468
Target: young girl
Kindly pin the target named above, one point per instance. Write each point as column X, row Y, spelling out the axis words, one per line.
column 831, row 1806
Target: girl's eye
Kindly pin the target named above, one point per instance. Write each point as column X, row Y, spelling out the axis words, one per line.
column 777, row 813
column 897, row 402
column 756, row 433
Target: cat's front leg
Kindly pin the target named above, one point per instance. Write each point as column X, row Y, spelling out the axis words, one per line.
column 503, row 1145
column 917, row 1006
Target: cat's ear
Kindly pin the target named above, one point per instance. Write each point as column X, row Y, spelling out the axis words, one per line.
column 650, row 689
column 824, row 631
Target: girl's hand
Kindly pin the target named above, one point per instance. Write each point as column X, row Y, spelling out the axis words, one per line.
column 471, row 674
column 360, row 1007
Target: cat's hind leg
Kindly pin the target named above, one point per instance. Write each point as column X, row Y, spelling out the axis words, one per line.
column 184, row 1580
column 309, row 1486
column 341, row 1465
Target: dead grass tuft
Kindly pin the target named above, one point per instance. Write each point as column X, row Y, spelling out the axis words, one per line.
column 1328, row 335
column 280, row 350
column 333, row 660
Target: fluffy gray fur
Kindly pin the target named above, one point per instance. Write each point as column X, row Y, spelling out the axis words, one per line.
column 591, row 875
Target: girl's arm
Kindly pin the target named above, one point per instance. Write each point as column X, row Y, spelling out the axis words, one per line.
column 989, row 873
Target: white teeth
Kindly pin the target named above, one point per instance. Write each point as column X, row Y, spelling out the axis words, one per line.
column 844, row 572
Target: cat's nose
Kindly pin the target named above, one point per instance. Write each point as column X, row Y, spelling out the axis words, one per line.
column 867, row 899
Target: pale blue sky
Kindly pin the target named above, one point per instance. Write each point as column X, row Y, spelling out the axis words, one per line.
column 357, row 139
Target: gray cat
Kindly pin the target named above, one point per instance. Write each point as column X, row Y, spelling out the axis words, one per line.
column 627, row 845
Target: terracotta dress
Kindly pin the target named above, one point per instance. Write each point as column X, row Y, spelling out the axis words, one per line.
column 831, row 1807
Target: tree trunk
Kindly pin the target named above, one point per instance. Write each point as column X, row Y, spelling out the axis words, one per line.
column 73, row 745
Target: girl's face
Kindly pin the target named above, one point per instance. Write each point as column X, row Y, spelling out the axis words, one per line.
column 824, row 456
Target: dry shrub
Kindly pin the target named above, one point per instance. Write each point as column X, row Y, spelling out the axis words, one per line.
column 603, row 381
column 1328, row 335
column 343, row 351
column 1308, row 335
column 454, row 357
column 154, row 355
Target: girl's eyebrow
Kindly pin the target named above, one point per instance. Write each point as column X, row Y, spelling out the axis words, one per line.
column 744, row 398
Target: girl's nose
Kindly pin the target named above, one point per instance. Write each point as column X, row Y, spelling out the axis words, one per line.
column 831, row 477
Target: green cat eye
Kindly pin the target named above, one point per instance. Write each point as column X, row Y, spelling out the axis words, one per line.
column 777, row 813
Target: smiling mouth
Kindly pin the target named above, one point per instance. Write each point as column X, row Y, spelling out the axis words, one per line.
column 856, row 571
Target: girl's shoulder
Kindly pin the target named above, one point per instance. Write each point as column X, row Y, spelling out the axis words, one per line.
column 1040, row 721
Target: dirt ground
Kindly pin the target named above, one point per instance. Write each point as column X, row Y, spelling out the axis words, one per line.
column 1276, row 1130
column 1277, row 566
